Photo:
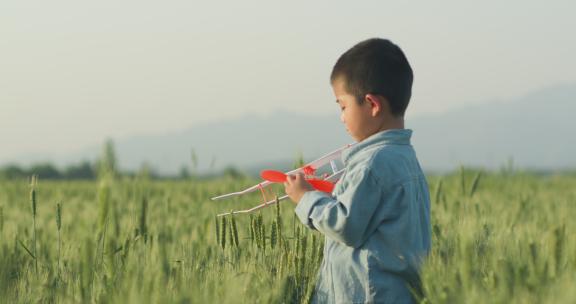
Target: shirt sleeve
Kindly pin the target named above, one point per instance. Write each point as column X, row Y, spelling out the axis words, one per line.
column 346, row 217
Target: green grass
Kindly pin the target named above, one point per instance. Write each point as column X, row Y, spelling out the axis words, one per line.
column 497, row 237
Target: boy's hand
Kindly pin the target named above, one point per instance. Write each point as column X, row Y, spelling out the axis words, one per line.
column 295, row 186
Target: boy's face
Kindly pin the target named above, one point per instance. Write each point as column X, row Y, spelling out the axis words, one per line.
column 361, row 120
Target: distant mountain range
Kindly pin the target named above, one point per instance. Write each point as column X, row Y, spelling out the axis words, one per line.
column 535, row 131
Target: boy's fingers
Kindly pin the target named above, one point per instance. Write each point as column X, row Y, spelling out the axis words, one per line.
column 295, row 177
column 289, row 180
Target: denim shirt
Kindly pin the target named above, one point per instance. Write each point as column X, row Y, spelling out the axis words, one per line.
column 376, row 223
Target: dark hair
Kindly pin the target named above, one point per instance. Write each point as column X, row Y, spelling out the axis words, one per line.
column 376, row 66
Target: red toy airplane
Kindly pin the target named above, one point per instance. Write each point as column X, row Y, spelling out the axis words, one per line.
column 325, row 183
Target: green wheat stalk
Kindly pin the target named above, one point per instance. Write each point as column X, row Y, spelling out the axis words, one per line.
column 33, row 204
column 59, row 226
column 223, row 232
column 234, row 231
column 475, row 183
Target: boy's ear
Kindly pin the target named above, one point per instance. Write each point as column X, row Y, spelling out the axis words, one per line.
column 375, row 102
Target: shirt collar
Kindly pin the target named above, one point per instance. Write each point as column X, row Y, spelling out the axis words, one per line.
column 387, row 137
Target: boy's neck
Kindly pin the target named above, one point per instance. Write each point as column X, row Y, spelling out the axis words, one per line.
column 391, row 123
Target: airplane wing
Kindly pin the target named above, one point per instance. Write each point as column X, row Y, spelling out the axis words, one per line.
column 313, row 165
column 332, row 178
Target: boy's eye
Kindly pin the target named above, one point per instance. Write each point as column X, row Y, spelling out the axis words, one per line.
column 342, row 108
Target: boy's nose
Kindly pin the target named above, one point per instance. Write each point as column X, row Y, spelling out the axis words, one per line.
column 342, row 118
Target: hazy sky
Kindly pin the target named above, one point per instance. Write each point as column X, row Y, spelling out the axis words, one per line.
column 74, row 72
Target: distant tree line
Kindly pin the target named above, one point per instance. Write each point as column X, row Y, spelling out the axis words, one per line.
column 106, row 164
column 83, row 170
column 89, row 171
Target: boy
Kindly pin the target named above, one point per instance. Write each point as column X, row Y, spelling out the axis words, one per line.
column 377, row 220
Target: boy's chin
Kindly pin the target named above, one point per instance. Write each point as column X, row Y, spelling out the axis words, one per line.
column 358, row 138
column 355, row 138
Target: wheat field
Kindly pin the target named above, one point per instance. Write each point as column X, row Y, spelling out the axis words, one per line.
column 498, row 237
